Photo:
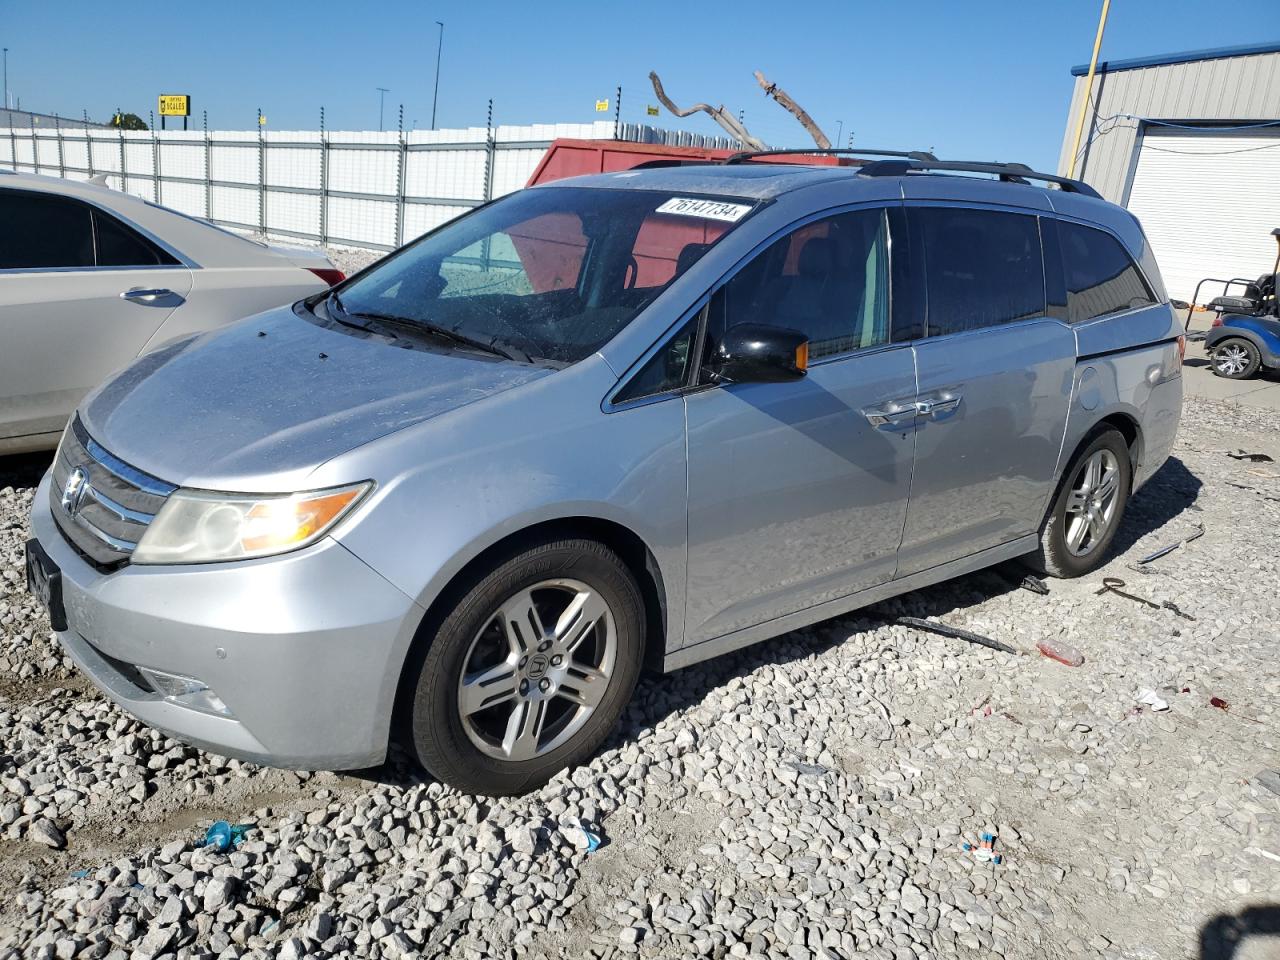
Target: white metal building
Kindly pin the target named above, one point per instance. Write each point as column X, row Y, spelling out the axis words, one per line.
column 1190, row 142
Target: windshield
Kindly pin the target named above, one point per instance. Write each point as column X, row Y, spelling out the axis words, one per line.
column 555, row 272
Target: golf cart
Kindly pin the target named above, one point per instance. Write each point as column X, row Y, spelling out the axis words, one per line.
column 1245, row 335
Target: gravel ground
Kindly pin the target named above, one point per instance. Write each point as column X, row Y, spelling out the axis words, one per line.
column 807, row 797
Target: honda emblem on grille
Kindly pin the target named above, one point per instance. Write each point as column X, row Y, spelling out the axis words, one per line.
column 73, row 491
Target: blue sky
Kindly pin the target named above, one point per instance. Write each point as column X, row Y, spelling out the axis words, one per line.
column 972, row 79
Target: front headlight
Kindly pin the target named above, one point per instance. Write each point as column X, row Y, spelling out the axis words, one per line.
column 197, row 527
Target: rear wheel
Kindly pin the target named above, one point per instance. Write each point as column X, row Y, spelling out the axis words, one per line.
column 530, row 670
column 1088, row 507
column 1236, row 358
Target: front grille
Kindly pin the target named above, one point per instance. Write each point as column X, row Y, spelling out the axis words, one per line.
column 101, row 504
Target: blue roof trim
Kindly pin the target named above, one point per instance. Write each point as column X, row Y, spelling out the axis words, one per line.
column 1212, row 53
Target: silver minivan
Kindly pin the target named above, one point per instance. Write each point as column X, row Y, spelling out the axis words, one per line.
column 639, row 418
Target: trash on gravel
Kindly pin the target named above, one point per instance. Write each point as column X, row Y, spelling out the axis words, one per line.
column 1062, row 652
column 44, row 831
column 1173, row 546
column 1269, row 779
column 1225, row 707
column 1152, row 700
column 222, row 836
column 949, row 631
column 808, row 769
column 1115, row 585
column 1251, row 457
column 582, row 838
column 985, row 849
column 1035, row 585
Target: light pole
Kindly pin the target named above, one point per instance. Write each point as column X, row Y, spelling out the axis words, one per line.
column 436, row 95
column 382, row 96
column 839, row 131
column 6, row 78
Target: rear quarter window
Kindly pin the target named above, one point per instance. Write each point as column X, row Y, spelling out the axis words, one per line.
column 1100, row 275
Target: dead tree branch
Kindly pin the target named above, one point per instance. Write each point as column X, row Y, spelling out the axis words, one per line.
column 718, row 114
column 806, row 121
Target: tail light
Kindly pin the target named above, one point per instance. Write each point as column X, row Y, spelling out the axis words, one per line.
column 1217, row 320
column 1182, row 348
column 330, row 275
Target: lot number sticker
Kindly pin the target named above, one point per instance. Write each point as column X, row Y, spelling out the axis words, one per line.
column 706, row 209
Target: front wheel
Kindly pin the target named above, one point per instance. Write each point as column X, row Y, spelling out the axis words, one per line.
column 1236, row 358
column 530, row 670
column 1088, row 507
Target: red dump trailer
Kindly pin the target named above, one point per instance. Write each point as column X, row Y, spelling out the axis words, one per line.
column 573, row 158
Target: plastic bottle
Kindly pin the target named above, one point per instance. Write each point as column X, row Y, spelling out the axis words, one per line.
column 1062, row 652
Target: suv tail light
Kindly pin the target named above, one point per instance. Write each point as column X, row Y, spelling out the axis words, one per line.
column 1182, row 348
column 1217, row 320
column 330, row 275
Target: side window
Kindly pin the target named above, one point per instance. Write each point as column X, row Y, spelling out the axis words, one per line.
column 1100, row 275
column 829, row 280
column 982, row 268
column 39, row 231
column 121, row 246
column 666, row 370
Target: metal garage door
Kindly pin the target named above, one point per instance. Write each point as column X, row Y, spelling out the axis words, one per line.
column 1208, row 202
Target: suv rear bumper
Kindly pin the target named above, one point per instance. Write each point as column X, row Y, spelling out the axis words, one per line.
column 305, row 649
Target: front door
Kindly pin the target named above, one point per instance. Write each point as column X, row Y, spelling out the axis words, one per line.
column 798, row 491
column 995, row 374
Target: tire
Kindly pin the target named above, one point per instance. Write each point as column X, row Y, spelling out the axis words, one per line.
column 503, row 704
column 1065, row 550
column 1235, row 358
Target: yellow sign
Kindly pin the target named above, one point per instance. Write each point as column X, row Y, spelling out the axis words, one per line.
column 602, row 106
column 175, row 105
column 651, row 110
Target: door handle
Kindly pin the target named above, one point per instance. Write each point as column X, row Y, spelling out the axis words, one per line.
column 896, row 412
column 145, row 296
column 936, row 405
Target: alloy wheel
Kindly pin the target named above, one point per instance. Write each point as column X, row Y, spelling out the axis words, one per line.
column 1231, row 359
column 1091, row 504
column 537, row 670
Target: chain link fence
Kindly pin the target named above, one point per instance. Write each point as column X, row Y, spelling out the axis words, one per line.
column 349, row 188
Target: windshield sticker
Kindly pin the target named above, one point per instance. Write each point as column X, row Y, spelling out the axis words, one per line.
column 706, row 209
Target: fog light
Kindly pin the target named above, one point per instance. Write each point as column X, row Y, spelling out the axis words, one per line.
column 185, row 691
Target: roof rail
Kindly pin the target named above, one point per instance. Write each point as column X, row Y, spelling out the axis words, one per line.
column 843, row 151
column 1007, row 172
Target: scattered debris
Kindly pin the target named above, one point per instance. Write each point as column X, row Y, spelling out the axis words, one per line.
column 808, row 769
column 1062, row 652
column 1115, row 585
column 222, row 836
column 1263, row 853
column 1173, row 546
column 44, row 831
column 947, row 630
column 985, row 850
column 582, row 838
column 1152, row 700
column 1251, row 457
column 1269, row 779
column 1225, row 707
column 1035, row 585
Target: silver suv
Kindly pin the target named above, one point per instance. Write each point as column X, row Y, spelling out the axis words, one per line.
column 631, row 419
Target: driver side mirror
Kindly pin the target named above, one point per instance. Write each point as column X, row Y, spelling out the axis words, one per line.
column 759, row 353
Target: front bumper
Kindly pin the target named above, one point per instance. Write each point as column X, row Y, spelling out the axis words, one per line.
column 304, row 649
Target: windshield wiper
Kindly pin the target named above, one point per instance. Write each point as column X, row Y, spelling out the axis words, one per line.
column 409, row 324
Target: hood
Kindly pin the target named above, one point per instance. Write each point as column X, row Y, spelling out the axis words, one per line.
column 257, row 406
